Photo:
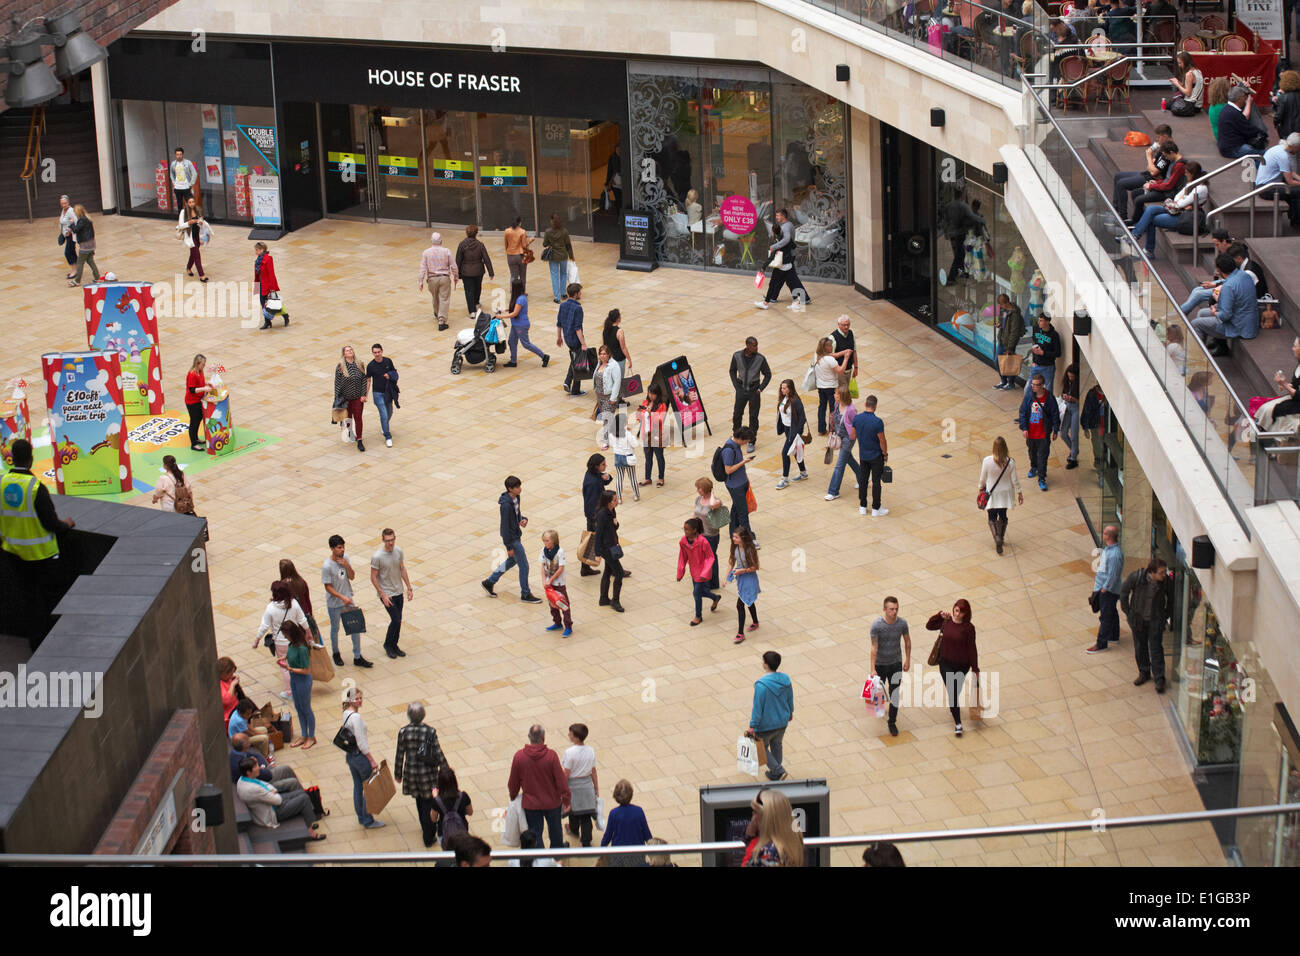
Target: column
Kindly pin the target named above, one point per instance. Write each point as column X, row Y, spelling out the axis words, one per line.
column 104, row 137
column 867, row 203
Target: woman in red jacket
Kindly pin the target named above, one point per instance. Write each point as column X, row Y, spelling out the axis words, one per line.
column 264, row 276
column 694, row 550
column 957, row 653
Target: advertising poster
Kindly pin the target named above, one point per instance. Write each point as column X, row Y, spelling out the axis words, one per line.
column 262, row 139
column 15, row 423
column 83, row 392
column 217, row 422
column 677, row 381
column 264, row 192
column 120, row 318
column 977, row 330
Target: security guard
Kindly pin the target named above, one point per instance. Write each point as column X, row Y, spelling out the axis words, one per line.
column 28, row 523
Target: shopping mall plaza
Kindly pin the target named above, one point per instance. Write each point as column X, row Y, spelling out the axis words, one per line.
column 666, row 135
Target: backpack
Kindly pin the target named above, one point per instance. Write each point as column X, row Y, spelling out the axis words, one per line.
column 451, row 820
column 719, row 466
column 183, row 499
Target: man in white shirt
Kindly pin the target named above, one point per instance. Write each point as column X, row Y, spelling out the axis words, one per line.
column 388, row 574
column 184, row 178
column 269, row 807
column 1280, row 166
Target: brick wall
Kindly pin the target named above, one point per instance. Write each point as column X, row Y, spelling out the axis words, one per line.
column 178, row 749
column 104, row 20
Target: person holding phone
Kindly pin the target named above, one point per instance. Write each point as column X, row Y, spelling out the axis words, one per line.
column 733, row 463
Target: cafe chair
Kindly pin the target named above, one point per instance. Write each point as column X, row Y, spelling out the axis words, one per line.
column 1213, row 23
column 1166, row 31
column 1072, row 69
column 1113, row 85
column 1193, row 44
column 1234, row 43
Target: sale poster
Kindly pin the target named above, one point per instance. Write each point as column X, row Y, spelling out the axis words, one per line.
column 83, row 395
column 120, row 318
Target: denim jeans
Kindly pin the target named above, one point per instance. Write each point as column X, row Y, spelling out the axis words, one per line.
column 1108, row 625
column 1154, row 217
column 1245, row 149
column 772, row 740
column 394, row 610
column 360, row 768
column 825, row 401
column 701, row 590
column 739, row 509
column 517, row 557
column 1198, row 298
column 1125, row 183
column 1070, row 429
column 559, row 277
column 300, row 687
column 335, row 614
column 1049, row 377
column 1038, row 451
column 518, row 335
column 552, row 819
column 843, row 459
column 381, row 406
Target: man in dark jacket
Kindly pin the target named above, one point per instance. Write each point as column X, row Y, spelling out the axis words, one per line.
column 1147, row 598
column 959, row 218
column 1039, row 418
column 1237, row 135
column 1011, row 329
column 383, row 388
column 1044, row 353
column 536, row 772
column 512, row 525
column 749, row 376
column 472, row 260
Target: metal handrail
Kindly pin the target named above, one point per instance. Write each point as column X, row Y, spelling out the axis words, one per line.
column 1090, row 825
column 32, row 161
column 1151, row 270
column 1251, row 196
column 1091, row 77
column 1238, row 163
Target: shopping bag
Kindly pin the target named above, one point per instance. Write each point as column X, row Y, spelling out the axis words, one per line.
column 556, row 600
column 750, row 503
column 586, row 549
column 322, row 668
column 874, row 691
column 759, row 276
column 338, row 415
column 975, row 708
column 1010, row 364
column 747, row 755
column 353, row 621
column 600, row 813
column 810, row 378
column 379, row 789
column 573, row 272
column 512, row 824
column 853, row 388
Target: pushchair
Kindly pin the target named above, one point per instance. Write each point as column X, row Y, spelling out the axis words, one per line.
column 473, row 345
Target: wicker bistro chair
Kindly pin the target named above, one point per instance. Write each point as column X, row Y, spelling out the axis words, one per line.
column 1213, row 23
column 1071, row 69
column 1234, row 43
column 1113, row 85
column 1192, row 44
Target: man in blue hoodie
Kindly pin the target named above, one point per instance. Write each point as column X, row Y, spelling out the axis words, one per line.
column 772, row 711
column 512, row 525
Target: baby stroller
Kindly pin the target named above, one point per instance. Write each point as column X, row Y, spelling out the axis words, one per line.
column 479, row 344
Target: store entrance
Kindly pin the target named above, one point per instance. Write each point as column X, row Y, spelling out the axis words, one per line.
column 906, row 166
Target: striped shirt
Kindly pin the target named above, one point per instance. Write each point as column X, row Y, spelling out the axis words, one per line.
column 437, row 261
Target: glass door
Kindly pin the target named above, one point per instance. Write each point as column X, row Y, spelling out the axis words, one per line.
column 504, row 150
column 344, row 134
column 449, row 148
column 737, row 128
column 572, row 158
column 398, row 165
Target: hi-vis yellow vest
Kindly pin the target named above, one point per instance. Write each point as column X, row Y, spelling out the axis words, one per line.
column 22, row 531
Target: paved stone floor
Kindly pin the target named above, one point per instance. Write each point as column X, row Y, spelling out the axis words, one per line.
column 1072, row 738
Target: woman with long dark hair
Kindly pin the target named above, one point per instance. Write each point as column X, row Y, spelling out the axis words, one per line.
column 519, row 324
column 195, row 388
column 744, row 570
column 170, row 481
column 297, row 664
column 792, row 423
column 518, row 255
column 196, row 233
column 611, row 335
column 281, row 610
column 607, row 547
column 301, row 593
column 957, row 653
column 449, row 799
column 593, row 483
column 656, row 423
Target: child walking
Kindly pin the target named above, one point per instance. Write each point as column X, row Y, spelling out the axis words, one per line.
column 552, row 562
column 744, row 570
column 694, row 550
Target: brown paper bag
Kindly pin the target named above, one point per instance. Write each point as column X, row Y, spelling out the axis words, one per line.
column 268, row 715
column 586, row 549
column 1009, row 364
column 762, row 751
column 322, row 668
column 976, row 710
column 277, row 738
column 379, row 789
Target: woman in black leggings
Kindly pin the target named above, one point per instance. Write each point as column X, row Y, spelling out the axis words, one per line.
column 196, row 387
column 607, row 547
column 744, row 569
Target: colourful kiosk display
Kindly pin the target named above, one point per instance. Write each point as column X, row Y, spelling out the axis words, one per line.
column 120, row 318
column 83, row 392
column 15, row 421
column 217, row 423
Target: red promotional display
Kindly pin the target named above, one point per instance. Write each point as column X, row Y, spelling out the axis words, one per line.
column 162, row 186
column 120, row 318
column 1256, row 70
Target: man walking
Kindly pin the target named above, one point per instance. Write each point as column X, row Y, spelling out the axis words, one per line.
column 1106, row 588
column 29, row 526
column 1044, row 353
column 891, row 654
column 737, row 479
column 536, row 770
column 568, row 332
column 873, row 452
column 438, row 268
column 336, row 575
column 771, row 713
column 784, row 274
column 512, row 525
column 383, row 388
column 1040, row 417
column 416, row 766
column 749, row 376
column 387, row 575
column 184, row 178
column 1147, row 598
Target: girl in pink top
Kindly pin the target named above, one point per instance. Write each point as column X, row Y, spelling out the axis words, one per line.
column 694, row 550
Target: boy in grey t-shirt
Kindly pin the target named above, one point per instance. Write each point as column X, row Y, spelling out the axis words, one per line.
column 891, row 654
column 336, row 575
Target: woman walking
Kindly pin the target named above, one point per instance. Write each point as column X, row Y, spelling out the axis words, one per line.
column 557, row 249
column 998, row 479
column 607, row 547
column 518, row 255
column 694, row 551
column 792, row 423
column 715, row 516
column 472, row 260
column 360, row 763
column 449, row 799
column 826, row 373
column 579, row 763
column 196, row 234
column 170, row 482
column 195, row 388
column 606, row 380
column 519, row 324
column 744, row 570
column 655, row 431
column 957, row 653
column 553, row 577
column 773, row 841
column 264, row 276
column 350, row 389
column 83, row 231
column 297, row 664
column 842, row 426
column 281, row 609
column 297, row 586
column 593, row 483
column 614, row 340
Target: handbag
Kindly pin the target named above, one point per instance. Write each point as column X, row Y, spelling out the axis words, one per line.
column 1094, row 602
column 353, row 621
column 1181, row 106
column 750, row 503
column 718, row 518
column 345, row 740
column 322, row 668
column 830, row 454
column 268, row 640
column 886, row 475
column 933, row 659
column 982, row 499
column 777, row 260
column 62, row 237
column 546, row 253
column 338, row 416
column 632, row 385
column 974, row 707
column 853, row 388
column 1010, row 364
column 528, row 256
column 585, row 554
column 616, row 552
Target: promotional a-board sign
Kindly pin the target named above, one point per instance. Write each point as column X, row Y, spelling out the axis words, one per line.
column 676, row 381
column 83, row 395
column 120, row 318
